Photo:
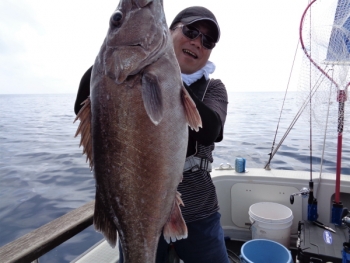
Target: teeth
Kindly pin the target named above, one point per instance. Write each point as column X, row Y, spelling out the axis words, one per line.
column 189, row 52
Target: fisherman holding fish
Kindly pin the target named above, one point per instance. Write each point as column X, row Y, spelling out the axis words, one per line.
column 195, row 32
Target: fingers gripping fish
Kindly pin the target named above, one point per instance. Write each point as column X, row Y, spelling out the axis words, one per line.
column 134, row 131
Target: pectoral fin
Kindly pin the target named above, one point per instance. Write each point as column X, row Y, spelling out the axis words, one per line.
column 175, row 228
column 152, row 97
column 193, row 118
column 84, row 128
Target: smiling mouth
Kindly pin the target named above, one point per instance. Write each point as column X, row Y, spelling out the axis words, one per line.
column 186, row 51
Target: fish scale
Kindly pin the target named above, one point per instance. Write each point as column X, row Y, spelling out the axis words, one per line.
column 139, row 113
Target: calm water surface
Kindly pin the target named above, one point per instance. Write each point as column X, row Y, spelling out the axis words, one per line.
column 43, row 174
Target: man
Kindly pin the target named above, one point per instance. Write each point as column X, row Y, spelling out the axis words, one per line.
column 195, row 32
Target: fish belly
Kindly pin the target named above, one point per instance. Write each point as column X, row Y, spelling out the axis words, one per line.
column 137, row 164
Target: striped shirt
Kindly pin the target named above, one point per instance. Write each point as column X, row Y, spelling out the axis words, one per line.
column 197, row 189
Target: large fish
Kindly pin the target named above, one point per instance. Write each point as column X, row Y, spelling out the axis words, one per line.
column 134, row 131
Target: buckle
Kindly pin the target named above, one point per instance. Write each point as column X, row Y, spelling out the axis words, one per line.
column 194, row 164
column 195, row 168
column 204, row 164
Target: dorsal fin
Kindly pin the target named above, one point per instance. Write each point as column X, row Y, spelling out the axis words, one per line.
column 84, row 128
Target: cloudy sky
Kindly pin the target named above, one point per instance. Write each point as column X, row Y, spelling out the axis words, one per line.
column 46, row 46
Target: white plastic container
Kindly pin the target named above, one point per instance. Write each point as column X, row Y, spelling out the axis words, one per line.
column 271, row 221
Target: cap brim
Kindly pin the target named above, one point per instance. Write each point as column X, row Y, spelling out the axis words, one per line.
column 192, row 19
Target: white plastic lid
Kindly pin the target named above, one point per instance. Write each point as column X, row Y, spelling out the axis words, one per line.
column 268, row 212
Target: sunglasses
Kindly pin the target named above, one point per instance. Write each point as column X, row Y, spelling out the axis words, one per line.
column 192, row 33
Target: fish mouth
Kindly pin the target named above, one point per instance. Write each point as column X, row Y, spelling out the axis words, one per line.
column 124, row 61
column 190, row 53
column 136, row 45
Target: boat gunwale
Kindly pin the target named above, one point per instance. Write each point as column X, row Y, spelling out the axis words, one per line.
column 38, row 242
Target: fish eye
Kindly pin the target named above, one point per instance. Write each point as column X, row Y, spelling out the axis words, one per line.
column 116, row 18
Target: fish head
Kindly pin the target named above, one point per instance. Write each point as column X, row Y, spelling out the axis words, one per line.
column 137, row 36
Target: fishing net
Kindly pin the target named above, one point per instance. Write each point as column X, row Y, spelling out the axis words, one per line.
column 325, row 38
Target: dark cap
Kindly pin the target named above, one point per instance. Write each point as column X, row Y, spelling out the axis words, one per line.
column 196, row 13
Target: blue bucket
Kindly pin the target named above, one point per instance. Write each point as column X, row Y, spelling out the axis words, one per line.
column 264, row 251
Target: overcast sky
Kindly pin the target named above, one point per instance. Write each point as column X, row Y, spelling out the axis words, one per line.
column 47, row 45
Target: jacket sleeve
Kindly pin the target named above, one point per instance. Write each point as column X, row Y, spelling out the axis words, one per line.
column 213, row 110
column 83, row 91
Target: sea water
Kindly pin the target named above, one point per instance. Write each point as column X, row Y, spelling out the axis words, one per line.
column 43, row 174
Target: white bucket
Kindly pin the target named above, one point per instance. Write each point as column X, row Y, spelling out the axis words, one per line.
column 271, row 221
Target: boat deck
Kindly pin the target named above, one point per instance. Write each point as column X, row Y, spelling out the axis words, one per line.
column 102, row 252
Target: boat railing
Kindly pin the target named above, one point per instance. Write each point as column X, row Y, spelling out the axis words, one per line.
column 33, row 245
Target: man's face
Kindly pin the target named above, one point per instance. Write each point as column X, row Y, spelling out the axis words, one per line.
column 190, row 54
